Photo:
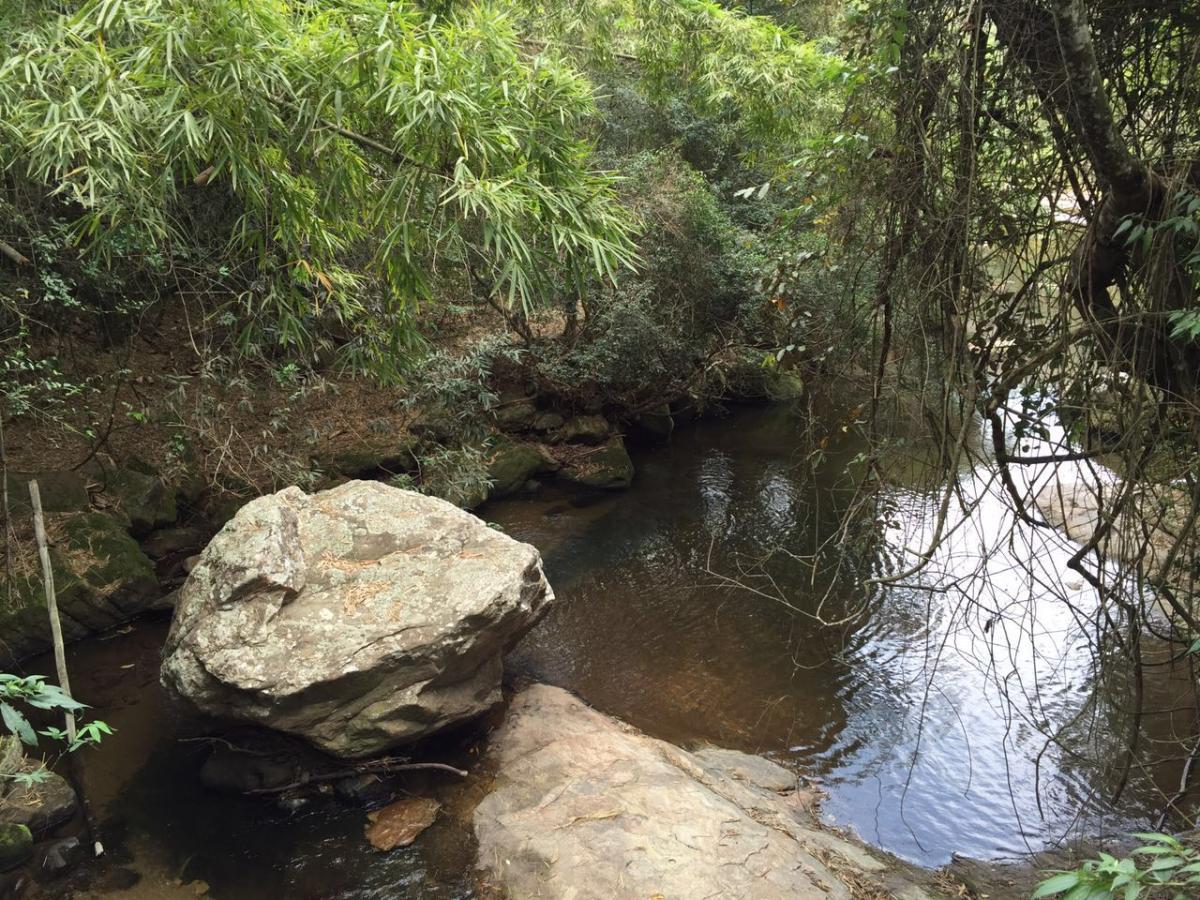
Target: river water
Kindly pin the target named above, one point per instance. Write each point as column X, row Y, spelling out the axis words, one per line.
column 921, row 707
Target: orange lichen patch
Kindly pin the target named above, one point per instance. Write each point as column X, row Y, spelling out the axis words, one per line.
column 356, row 595
column 329, row 561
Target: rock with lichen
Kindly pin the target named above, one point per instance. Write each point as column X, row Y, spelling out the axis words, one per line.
column 359, row 618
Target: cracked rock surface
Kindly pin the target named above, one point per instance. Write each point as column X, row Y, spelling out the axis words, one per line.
column 587, row 807
column 360, row 618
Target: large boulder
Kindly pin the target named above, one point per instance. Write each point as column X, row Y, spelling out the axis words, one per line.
column 360, row 618
column 585, row 807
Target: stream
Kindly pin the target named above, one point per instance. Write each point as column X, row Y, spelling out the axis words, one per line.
column 920, row 707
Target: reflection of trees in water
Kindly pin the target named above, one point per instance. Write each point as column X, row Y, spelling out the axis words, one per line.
column 976, row 657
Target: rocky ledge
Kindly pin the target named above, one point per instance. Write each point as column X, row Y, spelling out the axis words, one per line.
column 359, row 618
column 586, row 807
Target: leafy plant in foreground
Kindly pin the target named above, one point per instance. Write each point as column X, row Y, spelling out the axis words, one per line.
column 1161, row 867
column 33, row 691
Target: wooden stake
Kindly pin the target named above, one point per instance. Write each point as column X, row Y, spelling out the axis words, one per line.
column 60, row 652
column 60, row 657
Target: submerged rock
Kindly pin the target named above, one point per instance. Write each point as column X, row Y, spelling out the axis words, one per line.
column 53, row 858
column 359, row 618
column 655, row 423
column 586, row 807
column 1142, row 531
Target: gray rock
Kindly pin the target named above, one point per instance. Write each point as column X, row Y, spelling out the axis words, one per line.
column 53, row 858
column 360, row 617
column 585, row 807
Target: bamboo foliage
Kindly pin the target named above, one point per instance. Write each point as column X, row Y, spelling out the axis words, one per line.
column 344, row 130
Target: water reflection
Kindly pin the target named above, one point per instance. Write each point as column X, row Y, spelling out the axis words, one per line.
column 927, row 720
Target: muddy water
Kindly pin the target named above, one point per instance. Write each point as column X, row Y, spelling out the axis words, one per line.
column 922, row 707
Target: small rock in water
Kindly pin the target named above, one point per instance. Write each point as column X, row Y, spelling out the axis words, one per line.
column 291, row 803
column 55, row 857
column 236, row 772
column 399, row 824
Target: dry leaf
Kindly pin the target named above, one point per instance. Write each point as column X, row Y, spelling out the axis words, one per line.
column 399, row 823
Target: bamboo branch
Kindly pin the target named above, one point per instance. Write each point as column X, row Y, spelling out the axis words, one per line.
column 17, row 258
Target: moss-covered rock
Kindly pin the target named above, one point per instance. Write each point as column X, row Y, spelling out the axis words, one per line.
column 516, row 414
column 783, row 386
column 547, row 421
column 608, row 467
column 369, row 457
column 584, row 430
column 750, row 381
column 144, row 498
column 101, row 579
column 60, row 492
column 41, row 806
column 655, row 424
column 511, row 466
column 16, row 846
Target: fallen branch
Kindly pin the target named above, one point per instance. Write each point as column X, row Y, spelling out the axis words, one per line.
column 11, row 252
column 366, row 769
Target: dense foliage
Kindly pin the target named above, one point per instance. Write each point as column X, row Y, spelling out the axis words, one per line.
column 991, row 207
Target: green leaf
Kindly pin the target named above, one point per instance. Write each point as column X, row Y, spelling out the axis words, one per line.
column 1064, row 881
column 17, row 724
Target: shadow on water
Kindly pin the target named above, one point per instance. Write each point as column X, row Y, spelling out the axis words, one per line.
column 923, row 719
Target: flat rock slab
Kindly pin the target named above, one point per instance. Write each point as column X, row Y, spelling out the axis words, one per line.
column 360, row 618
column 586, row 807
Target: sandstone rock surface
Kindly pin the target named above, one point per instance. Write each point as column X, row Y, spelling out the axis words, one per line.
column 360, row 618
column 586, row 807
